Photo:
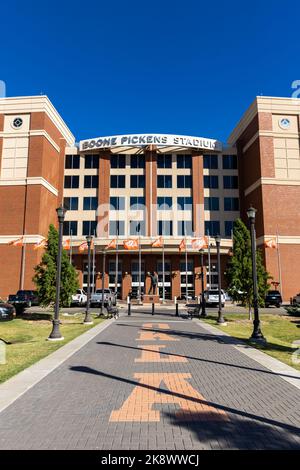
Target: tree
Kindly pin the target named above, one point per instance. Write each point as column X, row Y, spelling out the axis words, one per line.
column 239, row 269
column 45, row 274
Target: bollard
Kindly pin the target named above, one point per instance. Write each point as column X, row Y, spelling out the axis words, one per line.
column 128, row 306
column 176, row 307
column 153, row 306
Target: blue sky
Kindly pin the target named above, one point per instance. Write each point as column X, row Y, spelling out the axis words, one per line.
column 185, row 67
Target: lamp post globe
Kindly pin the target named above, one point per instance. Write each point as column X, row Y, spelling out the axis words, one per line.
column 88, row 319
column 220, row 320
column 257, row 335
column 55, row 334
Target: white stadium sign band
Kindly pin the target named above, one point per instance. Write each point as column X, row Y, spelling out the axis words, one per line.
column 143, row 140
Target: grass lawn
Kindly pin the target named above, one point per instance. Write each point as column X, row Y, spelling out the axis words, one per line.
column 28, row 338
column 279, row 330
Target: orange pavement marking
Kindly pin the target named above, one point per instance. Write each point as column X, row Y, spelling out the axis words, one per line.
column 160, row 326
column 151, row 353
column 154, row 336
column 139, row 405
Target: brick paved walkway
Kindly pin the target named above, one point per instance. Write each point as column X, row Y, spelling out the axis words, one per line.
column 155, row 383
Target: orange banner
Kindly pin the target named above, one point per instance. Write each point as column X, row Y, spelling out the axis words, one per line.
column 131, row 244
column 199, row 243
column 66, row 244
column 158, row 243
column 271, row 243
column 18, row 242
column 83, row 246
column 182, row 245
column 112, row 245
column 41, row 244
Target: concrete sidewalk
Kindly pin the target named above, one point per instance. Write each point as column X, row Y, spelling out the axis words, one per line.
column 156, row 383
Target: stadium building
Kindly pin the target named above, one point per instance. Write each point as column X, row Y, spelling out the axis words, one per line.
column 164, row 195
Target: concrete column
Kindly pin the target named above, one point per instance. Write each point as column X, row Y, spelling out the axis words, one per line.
column 175, row 276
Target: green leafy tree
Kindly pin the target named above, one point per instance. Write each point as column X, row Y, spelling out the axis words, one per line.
column 45, row 274
column 239, row 269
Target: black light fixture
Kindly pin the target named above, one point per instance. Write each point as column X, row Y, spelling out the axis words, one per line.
column 220, row 320
column 256, row 334
column 88, row 319
column 55, row 334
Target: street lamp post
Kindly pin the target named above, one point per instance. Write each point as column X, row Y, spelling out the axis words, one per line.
column 88, row 319
column 203, row 303
column 103, row 274
column 55, row 334
column 220, row 313
column 257, row 334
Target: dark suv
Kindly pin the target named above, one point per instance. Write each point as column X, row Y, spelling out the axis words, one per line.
column 25, row 298
column 273, row 297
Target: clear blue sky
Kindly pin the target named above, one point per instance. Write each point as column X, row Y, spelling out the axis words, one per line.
column 113, row 67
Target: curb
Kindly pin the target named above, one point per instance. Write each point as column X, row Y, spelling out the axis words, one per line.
column 20, row 383
column 287, row 373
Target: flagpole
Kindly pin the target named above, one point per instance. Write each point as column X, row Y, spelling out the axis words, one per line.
column 209, row 264
column 279, row 263
column 163, row 263
column 117, row 262
column 186, row 263
column 23, row 262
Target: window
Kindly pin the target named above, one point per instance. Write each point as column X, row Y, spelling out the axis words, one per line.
column 137, row 181
column 228, row 228
column 71, row 203
column 231, row 204
column 165, row 227
column 229, row 162
column 118, row 161
column 137, row 161
column 184, row 181
column 211, row 181
column 211, row 203
column 90, row 203
column 212, row 227
column 116, row 227
column 72, row 161
column 210, row 162
column 89, row 227
column 137, row 227
column 117, row 181
column 164, row 203
column 91, row 181
column 91, row 161
column 230, row 182
column 185, row 203
column 137, row 203
column 164, row 181
column 117, row 203
column 70, row 227
column 184, row 161
column 71, row 182
column 164, row 161
column 185, row 228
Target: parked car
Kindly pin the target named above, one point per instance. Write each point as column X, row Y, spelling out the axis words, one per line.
column 109, row 298
column 24, row 298
column 296, row 299
column 273, row 297
column 79, row 298
column 212, row 297
column 7, row 311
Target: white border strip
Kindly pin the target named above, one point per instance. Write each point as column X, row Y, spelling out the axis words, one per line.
column 32, row 180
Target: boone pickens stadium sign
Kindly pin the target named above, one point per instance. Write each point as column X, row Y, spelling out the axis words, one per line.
column 141, row 140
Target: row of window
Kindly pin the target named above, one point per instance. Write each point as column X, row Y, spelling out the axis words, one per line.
column 164, row 203
column 136, row 228
column 163, row 161
column 163, row 181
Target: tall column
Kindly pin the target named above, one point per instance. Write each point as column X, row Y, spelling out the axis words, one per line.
column 175, row 276
column 103, row 195
column 198, row 194
column 151, row 190
column 126, row 278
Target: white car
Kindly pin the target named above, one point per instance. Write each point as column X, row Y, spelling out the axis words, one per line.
column 109, row 298
column 80, row 298
column 212, row 297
